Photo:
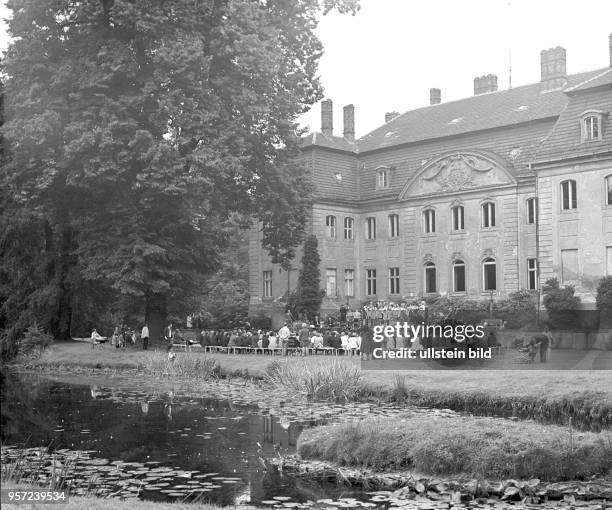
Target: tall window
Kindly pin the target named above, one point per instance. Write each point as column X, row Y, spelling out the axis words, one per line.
column 330, row 226
column 532, row 274
column 488, row 215
column 430, row 277
column 531, row 210
column 349, row 282
column 370, row 228
column 569, row 266
column 457, row 217
column 459, row 276
column 489, row 269
column 393, row 225
column 394, row 280
column 348, row 227
column 330, row 282
column 267, row 284
column 429, row 221
column 569, row 198
column 382, row 179
column 591, row 128
column 371, row 282
column 609, row 190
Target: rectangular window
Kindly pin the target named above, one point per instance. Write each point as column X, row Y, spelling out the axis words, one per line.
column 609, row 260
column 330, row 282
column 457, row 218
column 430, row 277
column 330, row 226
column 394, row 280
column 568, row 195
column 532, row 274
column 371, row 282
column 429, row 221
column 488, row 215
column 348, row 228
column 569, row 266
column 531, row 210
column 490, row 275
column 349, row 282
column 459, row 277
column 393, row 225
column 370, row 228
column 267, row 284
column 382, row 181
column 609, row 190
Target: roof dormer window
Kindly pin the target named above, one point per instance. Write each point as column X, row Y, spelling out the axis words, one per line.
column 590, row 126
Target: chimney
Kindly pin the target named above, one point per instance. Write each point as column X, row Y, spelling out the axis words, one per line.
column 389, row 116
column 484, row 84
column 435, row 96
column 327, row 117
column 349, row 122
column 610, row 38
column 552, row 66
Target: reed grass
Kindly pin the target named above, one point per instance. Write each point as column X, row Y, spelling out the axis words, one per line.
column 326, row 380
column 183, row 365
column 480, row 447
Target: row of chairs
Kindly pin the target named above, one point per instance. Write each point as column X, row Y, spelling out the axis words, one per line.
column 329, row 351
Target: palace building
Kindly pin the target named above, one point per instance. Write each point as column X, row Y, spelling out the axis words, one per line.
column 478, row 197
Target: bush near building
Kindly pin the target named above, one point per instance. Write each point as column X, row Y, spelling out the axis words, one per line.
column 561, row 304
column 604, row 302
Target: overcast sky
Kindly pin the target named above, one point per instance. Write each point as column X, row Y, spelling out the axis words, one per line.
column 392, row 52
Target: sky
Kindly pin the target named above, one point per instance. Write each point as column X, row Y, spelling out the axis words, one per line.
column 388, row 56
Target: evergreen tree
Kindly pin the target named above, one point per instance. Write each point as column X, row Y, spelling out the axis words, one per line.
column 135, row 129
column 308, row 295
column 561, row 304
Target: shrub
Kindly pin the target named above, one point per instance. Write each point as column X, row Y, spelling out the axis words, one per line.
column 604, row 301
column 519, row 310
column 197, row 367
column 561, row 304
column 34, row 341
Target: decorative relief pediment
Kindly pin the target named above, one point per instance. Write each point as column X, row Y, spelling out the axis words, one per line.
column 457, row 172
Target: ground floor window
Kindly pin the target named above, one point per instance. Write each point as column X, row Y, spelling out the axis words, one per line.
column 532, row 274
column 267, row 284
column 459, row 276
column 430, row 277
column 349, row 282
column 330, row 282
column 371, row 282
column 490, row 274
column 394, row 281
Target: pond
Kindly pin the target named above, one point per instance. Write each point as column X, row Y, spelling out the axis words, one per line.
column 136, row 442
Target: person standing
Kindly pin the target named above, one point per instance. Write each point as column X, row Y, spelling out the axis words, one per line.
column 168, row 333
column 144, row 334
column 367, row 342
column 283, row 337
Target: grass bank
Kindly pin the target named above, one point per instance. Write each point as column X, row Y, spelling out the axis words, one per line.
column 93, row 503
column 551, row 396
column 479, row 447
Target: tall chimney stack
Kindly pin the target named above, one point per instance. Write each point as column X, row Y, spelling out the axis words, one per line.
column 435, row 96
column 327, row 117
column 484, row 84
column 553, row 68
column 389, row 116
column 349, row 122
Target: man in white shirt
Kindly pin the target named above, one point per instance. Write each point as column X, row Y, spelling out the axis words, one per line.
column 96, row 337
column 144, row 334
column 283, row 337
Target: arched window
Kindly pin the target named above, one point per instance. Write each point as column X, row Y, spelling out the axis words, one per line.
column 348, row 228
column 430, row 277
column 457, row 218
column 330, row 226
column 393, row 225
column 429, row 221
column 458, row 276
column 488, row 215
column 489, row 271
column 370, row 228
column 569, row 195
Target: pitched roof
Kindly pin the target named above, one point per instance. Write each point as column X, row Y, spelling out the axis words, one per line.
column 600, row 80
column 484, row 111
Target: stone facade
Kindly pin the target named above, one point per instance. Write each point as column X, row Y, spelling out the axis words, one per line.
column 470, row 191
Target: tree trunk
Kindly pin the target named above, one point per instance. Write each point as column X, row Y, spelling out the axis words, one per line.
column 155, row 316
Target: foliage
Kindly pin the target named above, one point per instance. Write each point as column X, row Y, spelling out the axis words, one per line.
column 604, row 293
column 182, row 365
column 325, row 380
column 561, row 304
column 34, row 341
column 261, row 322
column 518, row 310
column 134, row 130
column 481, row 447
column 306, row 299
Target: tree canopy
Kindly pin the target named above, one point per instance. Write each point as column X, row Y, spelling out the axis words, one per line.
column 134, row 130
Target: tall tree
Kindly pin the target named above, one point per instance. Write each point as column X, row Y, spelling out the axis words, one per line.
column 307, row 297
column 137, row 128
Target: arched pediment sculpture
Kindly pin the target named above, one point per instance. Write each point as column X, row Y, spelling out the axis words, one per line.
column 458, row 171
